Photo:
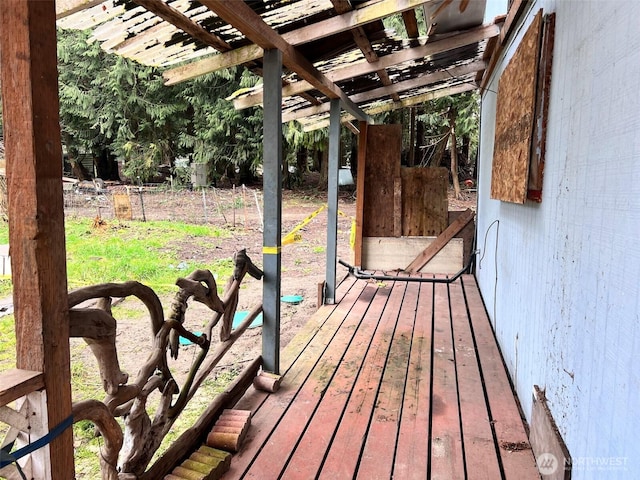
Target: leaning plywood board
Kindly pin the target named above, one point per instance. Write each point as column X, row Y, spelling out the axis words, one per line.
column 384, row 144
column 388, row 253
column 552, row 457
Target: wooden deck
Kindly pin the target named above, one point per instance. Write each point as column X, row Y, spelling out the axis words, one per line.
column 398, row 380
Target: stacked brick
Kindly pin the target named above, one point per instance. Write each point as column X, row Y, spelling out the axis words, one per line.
column 212, row 461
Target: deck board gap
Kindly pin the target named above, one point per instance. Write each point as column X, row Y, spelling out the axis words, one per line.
column 457, row 384
column 485, row 392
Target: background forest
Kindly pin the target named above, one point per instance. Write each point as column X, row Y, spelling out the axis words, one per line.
column 120, row 122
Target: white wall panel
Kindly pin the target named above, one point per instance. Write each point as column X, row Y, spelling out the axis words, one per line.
column 565, row 303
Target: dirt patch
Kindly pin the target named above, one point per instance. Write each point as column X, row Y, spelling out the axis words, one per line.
column 240, row 213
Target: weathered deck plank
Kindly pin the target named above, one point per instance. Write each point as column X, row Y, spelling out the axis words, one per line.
column 267, row 417
column 344, row 453
column 479, row 447
column 293, row 423
column 399, row 380
column 445, row 435
column 515, row 455
column 378, row 454
column 412, row 449
column 309, row 453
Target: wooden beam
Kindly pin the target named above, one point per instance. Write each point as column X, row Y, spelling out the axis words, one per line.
column 36, row 212
column 16, row 383
column 411, row 23
column 439, row 243
column 362, row 41
column 389, row 106
column 184, row 23
column 368, row 13
column 322, row 29
column 377, row 93
column 418, row 99
column 243, row 18
column 364, row 68
column 64, row 8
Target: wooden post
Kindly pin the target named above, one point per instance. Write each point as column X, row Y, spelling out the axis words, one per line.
column 362, row 156
column 36, row 213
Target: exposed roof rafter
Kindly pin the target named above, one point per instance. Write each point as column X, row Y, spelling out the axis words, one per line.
column 432, row 48
column 376, row 93
column 183, row 22
column 239, row 14
column 316, row 31
column 335, row 49
column 390, row 106
column 361, row 39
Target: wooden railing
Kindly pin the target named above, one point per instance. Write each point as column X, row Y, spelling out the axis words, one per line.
column 16, row 384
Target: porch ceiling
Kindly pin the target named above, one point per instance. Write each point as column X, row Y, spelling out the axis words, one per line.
column 331, row 48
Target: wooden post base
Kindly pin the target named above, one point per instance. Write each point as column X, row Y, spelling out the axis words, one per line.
column 268, row 382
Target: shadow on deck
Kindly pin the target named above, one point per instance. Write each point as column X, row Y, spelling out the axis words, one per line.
column 398, row 380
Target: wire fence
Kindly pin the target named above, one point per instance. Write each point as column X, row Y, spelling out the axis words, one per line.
column 236, row 207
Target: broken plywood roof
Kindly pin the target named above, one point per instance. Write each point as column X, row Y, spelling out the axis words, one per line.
column 345, row 49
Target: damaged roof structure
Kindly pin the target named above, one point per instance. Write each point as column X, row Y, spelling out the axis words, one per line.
column 335, row 45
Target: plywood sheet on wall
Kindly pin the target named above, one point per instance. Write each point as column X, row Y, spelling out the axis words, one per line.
column 515, row 118
column 389, row 253
column 382, row 167
column 424, row 201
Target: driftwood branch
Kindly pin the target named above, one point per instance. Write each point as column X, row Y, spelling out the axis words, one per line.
column 98, row 328
column 130, row 453
column 192, row 286
column 126, row 289
column 96, row 412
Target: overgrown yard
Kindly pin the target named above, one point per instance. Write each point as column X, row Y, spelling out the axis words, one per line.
column 156, row 253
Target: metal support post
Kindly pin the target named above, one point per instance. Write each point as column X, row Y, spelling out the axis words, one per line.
column 272, row 187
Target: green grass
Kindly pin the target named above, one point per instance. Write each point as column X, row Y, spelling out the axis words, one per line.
column 8, row 344
column 147, row 252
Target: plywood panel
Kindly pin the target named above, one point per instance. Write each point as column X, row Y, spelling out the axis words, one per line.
column 552, row 456
column 424, row 201
column 387, row 253
column 515, row 118
column 383, row 146
column 122, row 206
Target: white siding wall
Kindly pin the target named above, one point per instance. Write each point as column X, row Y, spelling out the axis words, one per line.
column 561, row 279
